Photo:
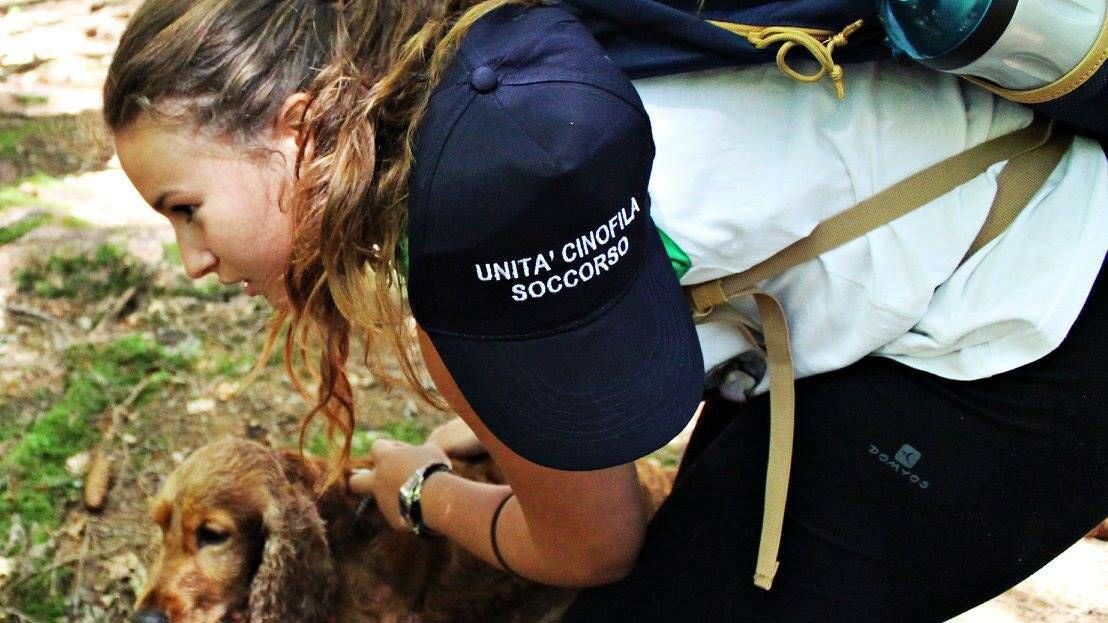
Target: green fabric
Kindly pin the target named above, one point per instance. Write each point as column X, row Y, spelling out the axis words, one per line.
column 402, row 256
column 677, row 256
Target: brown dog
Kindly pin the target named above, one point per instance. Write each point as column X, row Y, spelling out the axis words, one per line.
column 245, row 541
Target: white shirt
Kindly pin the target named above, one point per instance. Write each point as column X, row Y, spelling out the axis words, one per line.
column 749, row 160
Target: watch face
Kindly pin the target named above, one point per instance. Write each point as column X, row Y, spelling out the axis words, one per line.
column 407, row 488
column 407, row 494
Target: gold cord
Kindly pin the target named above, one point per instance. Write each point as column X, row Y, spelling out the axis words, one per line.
column 819, row 43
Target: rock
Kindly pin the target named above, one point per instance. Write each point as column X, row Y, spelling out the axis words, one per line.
column 7, row 568
column 201, row 405
column 77, row 464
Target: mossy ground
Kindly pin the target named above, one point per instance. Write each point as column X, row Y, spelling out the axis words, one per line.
column 54, row 145
column 82, row 276
column 35, row 486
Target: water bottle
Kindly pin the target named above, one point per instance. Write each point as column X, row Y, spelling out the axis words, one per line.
column 1015, row 44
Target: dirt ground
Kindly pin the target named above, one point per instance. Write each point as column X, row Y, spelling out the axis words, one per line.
column 60, row 183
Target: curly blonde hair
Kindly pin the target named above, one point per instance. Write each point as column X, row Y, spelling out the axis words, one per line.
column 368, row 68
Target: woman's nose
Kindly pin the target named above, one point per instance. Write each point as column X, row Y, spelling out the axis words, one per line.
column 198, row 262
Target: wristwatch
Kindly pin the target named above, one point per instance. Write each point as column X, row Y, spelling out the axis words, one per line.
column 410, row 494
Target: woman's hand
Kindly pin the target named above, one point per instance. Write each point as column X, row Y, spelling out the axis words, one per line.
column 393, row 463
column 457, row 439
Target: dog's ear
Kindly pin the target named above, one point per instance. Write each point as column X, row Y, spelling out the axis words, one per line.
column 296, row 580
column 300, row 469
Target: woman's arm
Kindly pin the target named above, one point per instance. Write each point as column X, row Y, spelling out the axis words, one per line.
column 563, row 528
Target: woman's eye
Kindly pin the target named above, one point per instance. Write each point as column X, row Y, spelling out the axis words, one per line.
column 184, row 210
column 207, row 536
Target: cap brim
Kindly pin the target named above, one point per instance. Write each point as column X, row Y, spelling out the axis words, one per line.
column 600, row 394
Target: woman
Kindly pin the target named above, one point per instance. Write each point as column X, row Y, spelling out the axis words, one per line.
column 487, row 161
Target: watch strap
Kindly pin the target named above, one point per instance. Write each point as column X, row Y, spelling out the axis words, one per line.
column 410, row 498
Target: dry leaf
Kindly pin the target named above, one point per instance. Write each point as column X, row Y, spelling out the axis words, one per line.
column 225, row 391
column 122, row 565
column 74, row 528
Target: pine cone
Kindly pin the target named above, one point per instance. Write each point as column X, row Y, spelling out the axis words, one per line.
column 98, row 480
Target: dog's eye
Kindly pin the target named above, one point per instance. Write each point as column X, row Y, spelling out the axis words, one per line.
column 206, row 536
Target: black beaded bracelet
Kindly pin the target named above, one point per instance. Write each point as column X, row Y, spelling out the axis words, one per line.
column 492, row 535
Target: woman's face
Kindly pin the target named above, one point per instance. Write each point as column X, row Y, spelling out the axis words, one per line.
column 222, row 200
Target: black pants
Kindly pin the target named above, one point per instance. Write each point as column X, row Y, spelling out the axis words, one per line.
column 912, row 497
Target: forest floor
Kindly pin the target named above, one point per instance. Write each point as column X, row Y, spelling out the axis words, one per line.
column 110, row 356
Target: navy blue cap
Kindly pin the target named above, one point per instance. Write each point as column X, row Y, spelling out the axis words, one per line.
column 535, row 267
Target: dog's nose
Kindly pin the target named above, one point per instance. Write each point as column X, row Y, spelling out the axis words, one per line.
column 150, row 616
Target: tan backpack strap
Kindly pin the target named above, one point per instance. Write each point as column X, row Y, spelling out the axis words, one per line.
column 1017, row 183
column 884, row 207
column 782, row 401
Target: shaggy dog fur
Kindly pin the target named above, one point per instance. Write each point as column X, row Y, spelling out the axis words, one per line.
column 244, row 540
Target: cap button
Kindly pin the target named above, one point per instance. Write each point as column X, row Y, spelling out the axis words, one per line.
column 483, row 79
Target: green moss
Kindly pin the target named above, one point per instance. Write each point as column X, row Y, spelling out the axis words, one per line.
column 12, row 197
column 210, row 289
column 15, row 133
column 667, row 456
column 9, row 142
column 72, row 222
column 206, row 289
column 407, row 431
column 82, row 276
column 233, row 366
column 38, row 599
column 317, row 445
column 30, row 99
column 22, row 227
column 9, row 418
column 172, row 253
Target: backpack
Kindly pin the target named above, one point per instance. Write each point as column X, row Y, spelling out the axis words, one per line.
column 649, row 38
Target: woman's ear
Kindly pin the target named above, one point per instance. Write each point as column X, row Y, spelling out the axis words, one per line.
column 289, row 138
column 290, row 119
